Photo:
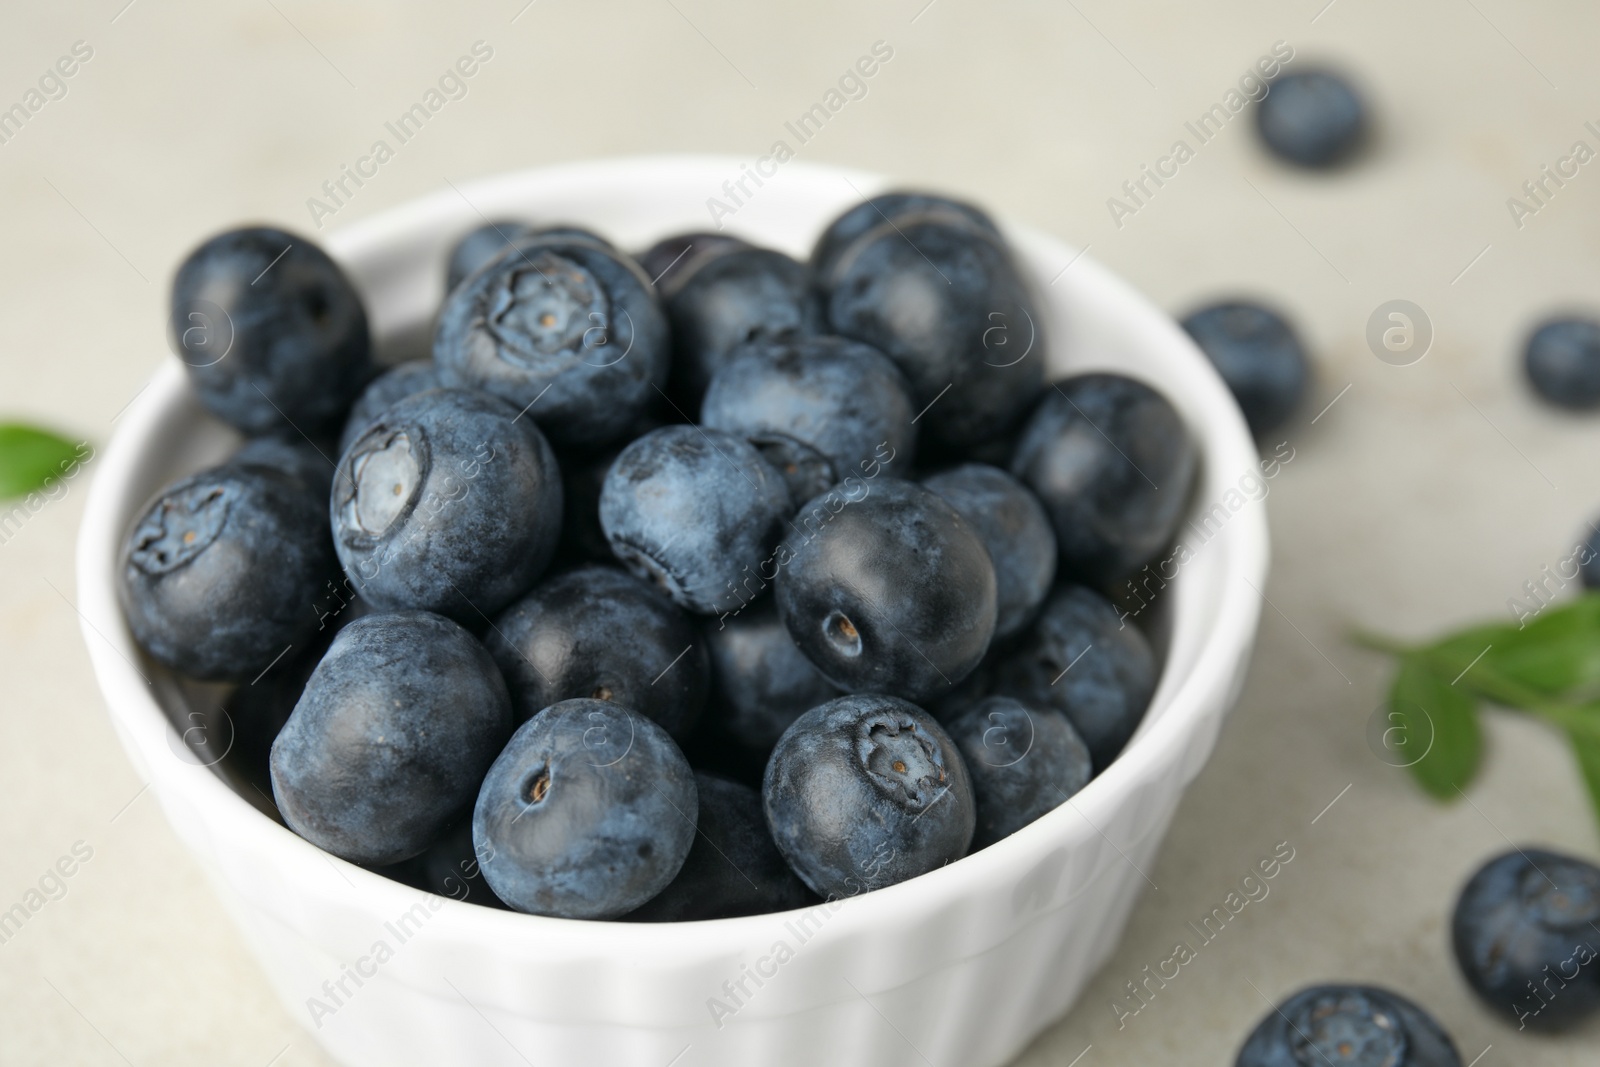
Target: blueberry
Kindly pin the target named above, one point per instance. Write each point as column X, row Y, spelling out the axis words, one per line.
column 866, row 791
column 839, row 400
column 1113, row 465
column 600, row 633
column 1014, row 529
column 1084, row 661
column 309, row 462
column 1525, row 938
column 1348, row 1026
column 672, row 259
column 733, row 867
column 447, row 501
column 1589, row 558
column 695, row 511
column 272, row 333
column 942, row 297
column 220, row 572
column 1258, row 356
column 868, row 215
column 449, row 868
column 583, row 475
column 563, row 328
column 1312, row 118
column 1023, row 762
column 886, row 588
column 1563, row 362
column 479, row 245
column 761, row 681
column 727, row 297
column 588, row 813
column 257, row 709
column 391, row 737
column 385, row 391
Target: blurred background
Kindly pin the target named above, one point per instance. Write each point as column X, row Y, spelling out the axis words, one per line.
column 1420, row 496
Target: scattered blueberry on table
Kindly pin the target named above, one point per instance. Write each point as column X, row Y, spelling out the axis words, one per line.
column 1259, row 357
column 1312, row 118
column 1526, row 939
column 1348, row 1026
column 1562, row 361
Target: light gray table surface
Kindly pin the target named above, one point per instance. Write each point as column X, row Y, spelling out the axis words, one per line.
column 1423, row 497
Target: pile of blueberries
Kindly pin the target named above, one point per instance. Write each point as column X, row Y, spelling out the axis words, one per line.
column 1526, row 936
column 701, row 583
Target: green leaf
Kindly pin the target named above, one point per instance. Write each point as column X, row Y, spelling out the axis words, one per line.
column 30, row 458
column 1433, row 729
column 1586, row 746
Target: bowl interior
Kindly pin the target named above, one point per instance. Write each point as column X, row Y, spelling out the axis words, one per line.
column 1093, row 321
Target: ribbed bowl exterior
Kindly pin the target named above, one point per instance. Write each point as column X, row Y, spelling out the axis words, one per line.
column 963, row 966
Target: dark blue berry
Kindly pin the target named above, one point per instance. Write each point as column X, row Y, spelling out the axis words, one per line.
column 1113, row 464
column 479, row 245
column 1526, row 938
column 312, row 463
column 1348, row 1026
column 1023, row 761
column 943, row 299
column 271, row 331
column 391, row 737
column 563, row 328
column 760, row 680
column 589, row 812
column 672, row 259
column 449, row 868
column 733, row 868
column 884, row 208
column 1083, row 660
column 1014, row 529
column 387, row 390
column 1258, row 356
column 1563, row 362
column 1589, row 558
column 840, row 400
column 447, row 501
column 728, row 296
column 1312, row 118
column 695, row 511
column 866, row 791
column 220, row 573
column 600, row 633
column 886, row 588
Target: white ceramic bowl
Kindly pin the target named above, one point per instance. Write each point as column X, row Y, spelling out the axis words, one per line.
column 961, row 966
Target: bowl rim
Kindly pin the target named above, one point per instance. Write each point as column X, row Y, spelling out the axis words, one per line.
column 146, row 729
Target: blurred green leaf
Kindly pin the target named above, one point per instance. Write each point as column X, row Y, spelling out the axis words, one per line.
column 1586, row 746
column 1433, row 729
column 31, row 457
